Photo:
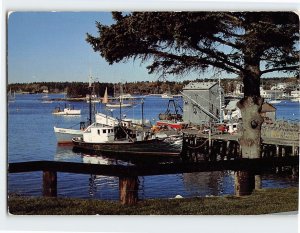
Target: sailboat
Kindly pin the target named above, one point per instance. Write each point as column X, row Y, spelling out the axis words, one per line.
column 120, row 103
column 11, row 96
column 105, row 97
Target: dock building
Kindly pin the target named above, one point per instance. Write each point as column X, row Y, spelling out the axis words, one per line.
column 202, row 102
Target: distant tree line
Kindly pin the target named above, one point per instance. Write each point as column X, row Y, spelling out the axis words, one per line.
column 81, row 89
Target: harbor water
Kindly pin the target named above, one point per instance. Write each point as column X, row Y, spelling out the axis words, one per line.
column 30, row 137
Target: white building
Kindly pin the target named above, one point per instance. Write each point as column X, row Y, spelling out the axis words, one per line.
column 295, row 94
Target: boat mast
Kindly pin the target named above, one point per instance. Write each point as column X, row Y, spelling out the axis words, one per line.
column 90, row 100
column 142, row 112
column 220, row 97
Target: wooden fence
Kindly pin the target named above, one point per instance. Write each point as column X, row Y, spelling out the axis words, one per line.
column 128, row 175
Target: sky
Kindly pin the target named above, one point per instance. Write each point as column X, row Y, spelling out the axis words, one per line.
column 51, row 46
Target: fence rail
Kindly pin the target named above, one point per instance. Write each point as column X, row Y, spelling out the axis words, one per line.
column 128, row 175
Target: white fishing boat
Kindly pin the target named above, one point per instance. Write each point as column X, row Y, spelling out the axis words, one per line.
column 102, row 138
column 67, row 111
column 65, row 135
column 105, row 119
column 128, row 122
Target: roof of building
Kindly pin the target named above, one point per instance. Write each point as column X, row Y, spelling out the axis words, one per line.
column 266, row 107
column 199, row 85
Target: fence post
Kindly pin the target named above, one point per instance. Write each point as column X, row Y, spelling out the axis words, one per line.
column 244, row 183
column 49, row 184
column 128, row 188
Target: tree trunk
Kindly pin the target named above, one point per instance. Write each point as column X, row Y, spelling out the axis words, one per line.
column 250, row 140
column 250, row 106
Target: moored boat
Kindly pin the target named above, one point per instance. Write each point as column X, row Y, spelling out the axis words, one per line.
column 118, row 105
column 64, row 135
column 166, row 96
column 274, row 101
column 66, row 111
column 296, row 99
column 102, row 138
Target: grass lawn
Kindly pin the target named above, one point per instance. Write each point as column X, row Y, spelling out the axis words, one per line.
column 260, row 202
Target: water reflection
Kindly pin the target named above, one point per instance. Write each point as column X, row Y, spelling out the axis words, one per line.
column 99, row 183
column 65, row 154
column 163, row 186
column 209, row 183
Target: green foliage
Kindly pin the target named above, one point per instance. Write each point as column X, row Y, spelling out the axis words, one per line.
column 248, row 44
column 260, row 202
column 80, row 89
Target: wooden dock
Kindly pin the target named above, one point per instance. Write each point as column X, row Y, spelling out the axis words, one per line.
column 200, row 146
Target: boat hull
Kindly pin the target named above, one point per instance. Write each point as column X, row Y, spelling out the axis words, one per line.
column 64, row 136
column 171, row 124
column 153, row 147
column 118, row 105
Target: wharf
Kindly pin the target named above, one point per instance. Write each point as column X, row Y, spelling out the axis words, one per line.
column 199, row 146
column 235, row 137
column 279, row 133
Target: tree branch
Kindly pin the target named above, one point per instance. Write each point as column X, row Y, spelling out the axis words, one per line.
column 219, row 56
column 195, row 60
column 218, row 39
column 279, row 69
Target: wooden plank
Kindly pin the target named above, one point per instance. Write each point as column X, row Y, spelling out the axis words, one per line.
column 254, row 165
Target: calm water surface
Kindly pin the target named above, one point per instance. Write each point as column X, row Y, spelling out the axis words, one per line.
column 31, row 137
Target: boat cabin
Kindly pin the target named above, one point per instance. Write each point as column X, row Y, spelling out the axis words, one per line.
column 98, row 133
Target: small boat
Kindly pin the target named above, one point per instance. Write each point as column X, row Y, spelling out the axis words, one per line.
column 94, row 101
column 118, row 105
column 93, row 98
column 166, row 96
column 47, row 101
column 295, row 99
column 274, row 101
column 64, row 135
column 103, row 139
column 66, row 111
